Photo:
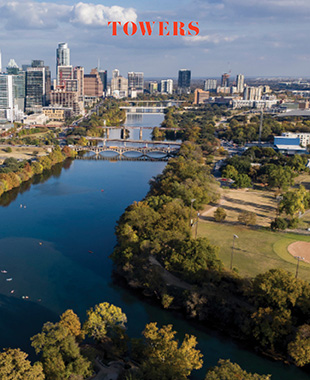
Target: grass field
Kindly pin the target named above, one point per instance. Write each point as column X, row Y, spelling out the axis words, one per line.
column 256, row 250
column 23, row 153
column 262, row 202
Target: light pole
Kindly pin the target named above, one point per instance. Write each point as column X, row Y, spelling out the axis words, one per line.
column 297, row 266
column 197, row 225
column 232, row 251
column 190, row 218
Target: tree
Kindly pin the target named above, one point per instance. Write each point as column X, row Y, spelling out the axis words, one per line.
column 105, row 320
column 296, row 201
column 166, row 359
column 220, row 214
column 71, row 321
column 14, row 365
column 277, row 288
column 230, row 172
column 61, row 355
column 271, row 326
column 278, row 224
column 242, row 181
column 279, row 176
column 225, row 370
column 247, row 217
column 299, row 348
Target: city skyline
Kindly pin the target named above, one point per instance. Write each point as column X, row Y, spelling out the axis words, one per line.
column 252, row 37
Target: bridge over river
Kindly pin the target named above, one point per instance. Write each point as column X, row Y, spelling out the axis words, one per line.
column 164, row 149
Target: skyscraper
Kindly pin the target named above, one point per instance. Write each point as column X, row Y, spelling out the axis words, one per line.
column 184, row 80
column 38, row 85
column 12, row 67
column 92, row 84
column 104, row 79
column 136, row 82
column 210, row 84
column 64, row 73
column 225, row 80
column 62, row 56
column 240, row 83
column 115, row 73
column 166, row 86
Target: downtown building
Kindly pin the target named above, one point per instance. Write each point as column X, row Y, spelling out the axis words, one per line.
column 210, row 85
column 184, row 81
column 135, row 83
column 62, row 57
column 119, row 85
column 38, row 86
column 166, row 86
column 240, row 83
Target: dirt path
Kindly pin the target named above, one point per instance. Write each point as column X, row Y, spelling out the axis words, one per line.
column 169, row 278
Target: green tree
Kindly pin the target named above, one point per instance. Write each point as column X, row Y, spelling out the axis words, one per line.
column 72, row 322
column 295, row 201
column 299, row 348
column 220, row 214
column 225, row 370
column 242, row 181
column 247, row 217
column 278, row 224
column 166, row 358
column 230, row 172
column 105, row 320
column 60, row 353
column 14, row 365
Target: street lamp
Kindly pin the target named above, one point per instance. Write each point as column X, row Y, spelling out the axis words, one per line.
column 190, row 219
column 197, row 225
column 232, row 251
column 297, row 266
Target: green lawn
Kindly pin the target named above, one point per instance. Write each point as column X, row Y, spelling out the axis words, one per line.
column 256, row 250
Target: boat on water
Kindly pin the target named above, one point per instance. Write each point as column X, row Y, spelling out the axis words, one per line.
column 4, row 271
column 9, row 279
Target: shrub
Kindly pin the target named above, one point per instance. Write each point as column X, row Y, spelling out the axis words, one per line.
column 247, row 217
column 220, row 214
column 278, row 224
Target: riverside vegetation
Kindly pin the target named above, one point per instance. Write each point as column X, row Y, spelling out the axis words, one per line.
column 64, row 354
column 271, row 311
column 13, row 173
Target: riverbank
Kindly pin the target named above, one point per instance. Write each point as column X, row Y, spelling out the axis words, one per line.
column 157, row 231
column 13, row 172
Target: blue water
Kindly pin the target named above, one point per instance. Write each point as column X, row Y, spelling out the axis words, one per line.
column 56, row 250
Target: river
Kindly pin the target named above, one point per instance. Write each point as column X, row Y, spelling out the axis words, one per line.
column 55, row 242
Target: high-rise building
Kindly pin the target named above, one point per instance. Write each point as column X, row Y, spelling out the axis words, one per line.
column 225, row 80
column 119, row 87
column 136, row 82
column 166, row 86
column 210, row 85
column 240, row 83
column 11, row 97
column 153, row 87
column 104, row 79
column 62, row 56
column 6, row 94
column 64, row 73
column 252, row 93
column 115, row 73
column 19, row 90
column 78, row 73
column 38, row 85
column 67, row 99
column 184, row 81
column 12, row 67
column 92, row 84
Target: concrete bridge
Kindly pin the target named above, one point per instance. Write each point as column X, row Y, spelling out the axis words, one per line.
column 144, row 110
column 122, row 150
